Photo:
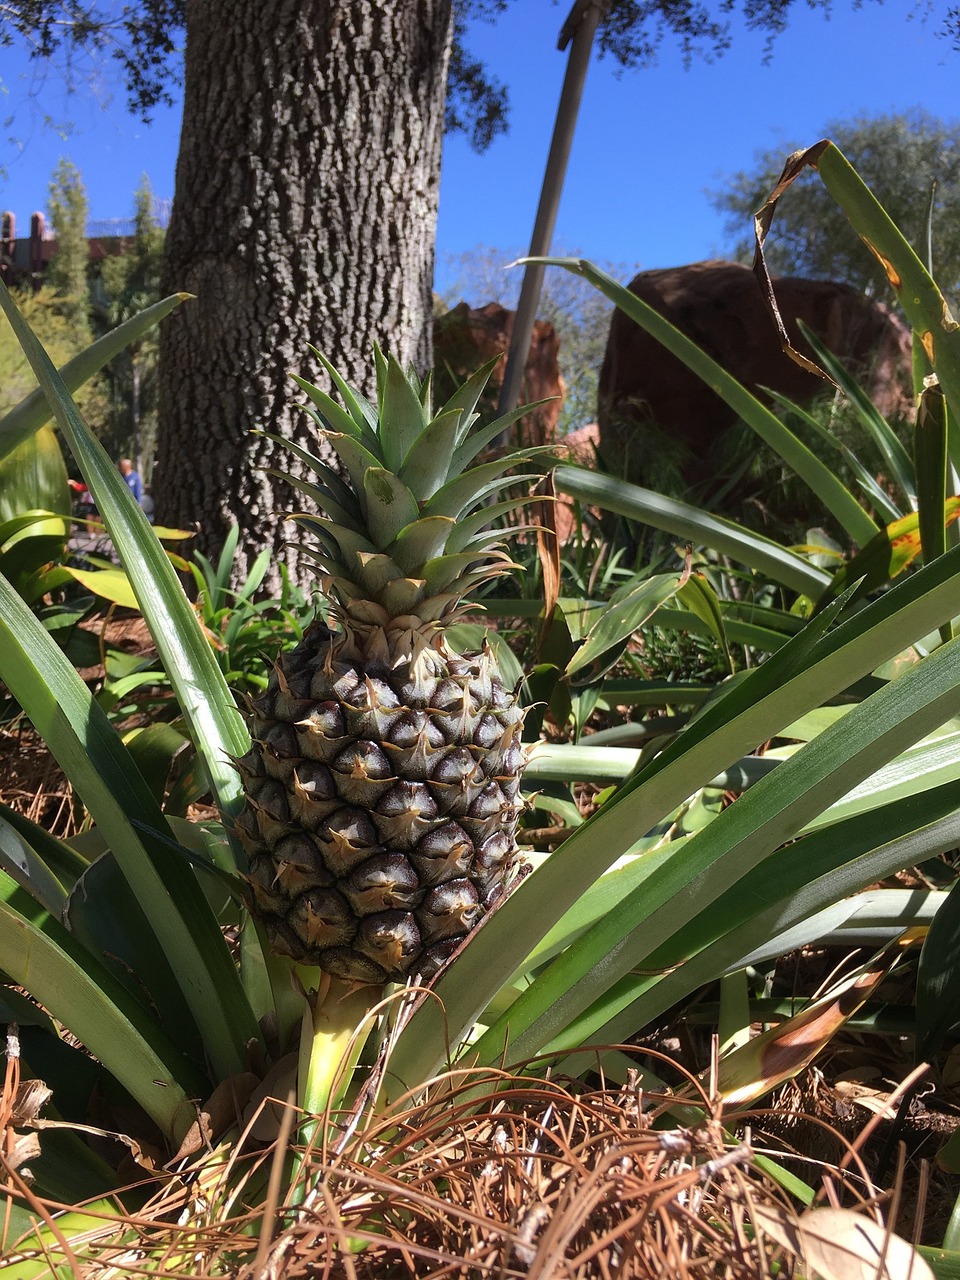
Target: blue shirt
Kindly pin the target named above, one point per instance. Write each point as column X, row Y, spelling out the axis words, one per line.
column 135, row 485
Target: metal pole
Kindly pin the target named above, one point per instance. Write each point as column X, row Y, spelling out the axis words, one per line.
column 581, row 25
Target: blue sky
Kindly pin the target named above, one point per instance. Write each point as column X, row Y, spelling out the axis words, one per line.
column 648, row 146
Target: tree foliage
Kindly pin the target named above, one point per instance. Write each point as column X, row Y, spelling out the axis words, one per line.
column 67, row 209
column 144, row 39
column 43, row 310
column 127, row 285
column 911, row 162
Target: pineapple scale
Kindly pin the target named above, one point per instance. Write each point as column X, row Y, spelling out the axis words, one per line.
column 382, row 801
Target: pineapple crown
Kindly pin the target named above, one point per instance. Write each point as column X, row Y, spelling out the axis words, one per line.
column 404, row 532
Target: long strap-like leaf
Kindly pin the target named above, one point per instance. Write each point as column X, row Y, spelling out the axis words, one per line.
column 91, row 754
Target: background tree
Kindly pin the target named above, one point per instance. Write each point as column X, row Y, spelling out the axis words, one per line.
column 126, row 285
column 58, row 306
column 912, row 164
column 311, row 219
column 66, row 273
column 312, row 214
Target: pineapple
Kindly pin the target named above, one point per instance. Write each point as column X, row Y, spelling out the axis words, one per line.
column 382, row 786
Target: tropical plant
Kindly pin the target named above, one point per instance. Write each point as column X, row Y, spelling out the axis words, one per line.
column 626, row 917
column 67, row 272
column 246, row 631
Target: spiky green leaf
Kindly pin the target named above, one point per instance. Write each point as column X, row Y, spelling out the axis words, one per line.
column 390, row 506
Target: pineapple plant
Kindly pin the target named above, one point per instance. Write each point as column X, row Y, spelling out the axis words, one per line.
column 382, row 784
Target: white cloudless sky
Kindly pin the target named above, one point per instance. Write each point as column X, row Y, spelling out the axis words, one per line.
column 649, row 143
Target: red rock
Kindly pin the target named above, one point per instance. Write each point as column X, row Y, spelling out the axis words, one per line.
column 466, row 337
column 650, row 404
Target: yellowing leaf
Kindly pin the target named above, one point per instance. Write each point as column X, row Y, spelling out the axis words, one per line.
column 109, row 584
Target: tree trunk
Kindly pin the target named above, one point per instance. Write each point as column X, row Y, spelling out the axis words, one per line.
column 305, row 212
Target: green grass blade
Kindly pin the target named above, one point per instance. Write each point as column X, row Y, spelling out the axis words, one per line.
column 34, row 411
column 699, row 527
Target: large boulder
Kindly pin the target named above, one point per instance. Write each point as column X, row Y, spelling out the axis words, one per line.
column 657, row 419
column 465, row 337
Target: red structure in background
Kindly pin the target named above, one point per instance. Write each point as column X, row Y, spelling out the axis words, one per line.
column 26, row 260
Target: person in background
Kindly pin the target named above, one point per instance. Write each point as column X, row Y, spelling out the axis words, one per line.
column 132, row 477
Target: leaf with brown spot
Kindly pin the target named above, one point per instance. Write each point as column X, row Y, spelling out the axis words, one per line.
column 886, row 555
column 782, row 1052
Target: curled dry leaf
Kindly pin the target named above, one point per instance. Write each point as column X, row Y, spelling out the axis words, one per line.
column 838, row 1244
column 267, row 1102
column 223, row 1108
column 25, row 1147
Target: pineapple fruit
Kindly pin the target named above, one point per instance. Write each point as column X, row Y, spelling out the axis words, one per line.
column 382, row 786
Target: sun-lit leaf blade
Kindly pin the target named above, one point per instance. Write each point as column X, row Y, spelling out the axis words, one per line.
column 88, row 750
column 108, row 584
column 331, row 416
column 487, row 435
column 698, row 527
column 34, row 411
column 626, row 613
column 428, row 461
column 358, row 406
column 467, row 396
column 390, row 505
column 33, row 476
column 216, row 725
column 699, row 597
column 400, row 407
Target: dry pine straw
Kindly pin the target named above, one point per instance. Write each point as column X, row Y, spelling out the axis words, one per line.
column 532, row 1180
column 500, row 1176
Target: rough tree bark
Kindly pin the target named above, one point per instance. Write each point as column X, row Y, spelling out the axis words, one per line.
column 305, row 212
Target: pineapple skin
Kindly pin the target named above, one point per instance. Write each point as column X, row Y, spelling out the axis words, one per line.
column 382, row 803
column 382, row 784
